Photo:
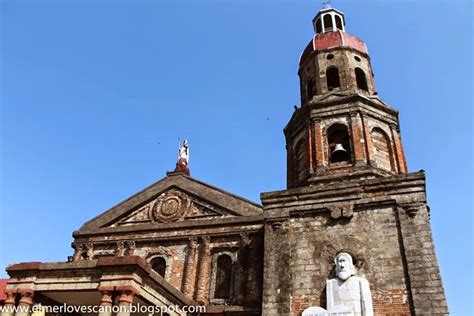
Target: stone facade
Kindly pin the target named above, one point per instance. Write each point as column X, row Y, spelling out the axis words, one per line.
column 189, row 233
column 183, row 224
column 375, row 220
column 184, row 242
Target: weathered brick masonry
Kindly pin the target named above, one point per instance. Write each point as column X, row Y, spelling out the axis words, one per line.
column 384, row 222
column 184, row 242
column 348, row 190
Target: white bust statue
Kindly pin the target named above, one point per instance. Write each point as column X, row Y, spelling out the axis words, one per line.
column 348, row 294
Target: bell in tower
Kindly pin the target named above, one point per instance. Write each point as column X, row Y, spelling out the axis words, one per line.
column 350, row 234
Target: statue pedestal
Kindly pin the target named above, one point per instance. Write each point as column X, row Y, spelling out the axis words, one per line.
column 339, row 310
column 315, row 311
column 182, row 167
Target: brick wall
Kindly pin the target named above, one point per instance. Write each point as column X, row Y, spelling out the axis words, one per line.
column 384, row 222
column 301, row 259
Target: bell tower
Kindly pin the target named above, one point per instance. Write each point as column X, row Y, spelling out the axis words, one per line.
column 349, row 195
column 342, row 126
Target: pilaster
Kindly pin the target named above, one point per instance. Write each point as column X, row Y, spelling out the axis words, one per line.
column 290, row 166
column 190, row 269
column 253, row 289
column 358, row 139
column 425, row 282
column 318, row 140
column 369, row 146
column 400, row 155
column 203, row 277
column 310, row 148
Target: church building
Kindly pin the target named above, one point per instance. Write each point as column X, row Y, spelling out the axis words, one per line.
column 351, row 212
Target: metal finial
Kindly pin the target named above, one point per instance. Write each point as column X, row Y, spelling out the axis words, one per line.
column 326, row 4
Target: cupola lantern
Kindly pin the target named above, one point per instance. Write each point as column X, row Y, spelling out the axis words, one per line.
column 329, row 19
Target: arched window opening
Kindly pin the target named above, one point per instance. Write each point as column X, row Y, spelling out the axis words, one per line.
column 383, row 150
column 327, row 23
column 332, row 78
column 339, row 143
column 319, row 27
column 361, row 80
column 159, row 265
column 338, row 22
column 223, row 277
column 310, row 89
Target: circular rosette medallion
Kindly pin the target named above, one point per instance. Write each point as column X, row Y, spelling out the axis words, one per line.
column 171, row 206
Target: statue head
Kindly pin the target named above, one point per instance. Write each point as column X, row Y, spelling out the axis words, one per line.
column 344, row 266
column 185, row 143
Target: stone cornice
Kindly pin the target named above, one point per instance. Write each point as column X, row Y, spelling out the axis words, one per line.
column 238, row 221
column 357, row 191
column 116, row 265
column 341, row 104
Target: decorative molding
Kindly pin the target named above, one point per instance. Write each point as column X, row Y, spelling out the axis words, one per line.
column 158, row 251
column 26, row 297
column 244, row 240
column 78, row 251
column 142, row 215
column 203, row 208
column 277, row 227
column 215, row 257
column 11, row 298
column 341, row 210
column 205, row 239
column 106, row 297
column 120, row 249
column 83, row 251
column 412, row 209
column 131, row 247
column 171, row 206
column 395, row 127
column 89, row 251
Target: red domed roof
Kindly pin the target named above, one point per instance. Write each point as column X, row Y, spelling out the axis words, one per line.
column 332, row 39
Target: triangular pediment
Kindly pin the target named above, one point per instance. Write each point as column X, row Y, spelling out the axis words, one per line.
column 173, row 205
column 176, row 198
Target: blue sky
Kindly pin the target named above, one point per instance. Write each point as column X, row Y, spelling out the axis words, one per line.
column 94, row 95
